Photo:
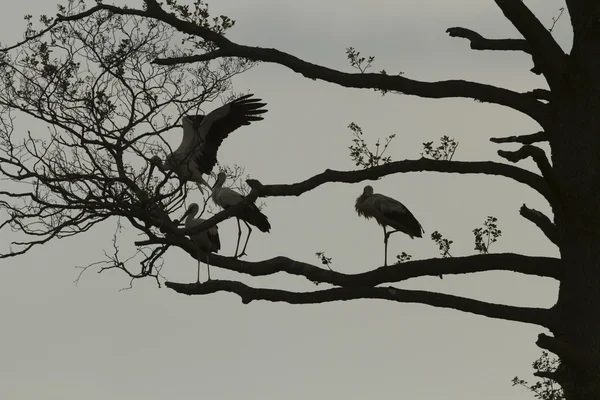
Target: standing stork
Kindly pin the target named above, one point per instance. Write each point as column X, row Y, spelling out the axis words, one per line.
column 206, row 241
column 202, row 137
column 226, row 197
column 387, row 212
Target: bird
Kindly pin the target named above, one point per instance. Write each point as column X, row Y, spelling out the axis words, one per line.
column 251, row 215
column 387, row 212
column 202, row 137
column 206, row 241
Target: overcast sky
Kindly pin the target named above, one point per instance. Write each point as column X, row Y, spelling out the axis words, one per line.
column 93, row 342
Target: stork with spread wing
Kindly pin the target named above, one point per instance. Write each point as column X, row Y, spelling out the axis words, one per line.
column 202, row 137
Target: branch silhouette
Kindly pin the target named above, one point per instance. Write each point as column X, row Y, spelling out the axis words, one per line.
column 379, row 81
column 537, row 316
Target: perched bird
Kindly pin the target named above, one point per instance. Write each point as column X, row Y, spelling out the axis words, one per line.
column 226, row 197
column 387, row 212
column 206, row 241
column 202, row 137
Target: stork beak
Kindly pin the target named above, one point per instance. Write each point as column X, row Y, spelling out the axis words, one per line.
column 203, row 183
column 185, row 214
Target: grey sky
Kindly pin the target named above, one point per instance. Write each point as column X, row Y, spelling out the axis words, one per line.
column 92, row 342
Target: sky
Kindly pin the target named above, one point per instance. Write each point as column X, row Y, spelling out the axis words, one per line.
column 92, row 341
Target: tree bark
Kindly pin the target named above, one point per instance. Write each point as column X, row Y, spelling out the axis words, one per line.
column 575, row 155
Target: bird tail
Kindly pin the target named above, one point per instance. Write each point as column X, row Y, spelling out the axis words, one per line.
column 253, row 216
column 420, row 231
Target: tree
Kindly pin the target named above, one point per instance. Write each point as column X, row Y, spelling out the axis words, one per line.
column 105, row 106
column 566, row 112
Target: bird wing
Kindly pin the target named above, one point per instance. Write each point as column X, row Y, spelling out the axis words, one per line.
column 393, row 210
column 190, row 141
column 213, row 236
column 219, row 123
column 227, row 197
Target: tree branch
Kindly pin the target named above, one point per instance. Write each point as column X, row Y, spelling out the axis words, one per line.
column 567, row 352
column 423, row 164
column 479, row 42
column 547, row 53
column 541, row 94
column 538, row 266
column 541, row 221
column 536, row 316
column 524, row 139
column 461, row 167
column 539, row 156
column 442, row 89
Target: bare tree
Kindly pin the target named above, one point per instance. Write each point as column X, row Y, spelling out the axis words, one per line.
column 566, row 111
column 104, row 111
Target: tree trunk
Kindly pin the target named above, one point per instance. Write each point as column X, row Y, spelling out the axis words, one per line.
column 575, row 144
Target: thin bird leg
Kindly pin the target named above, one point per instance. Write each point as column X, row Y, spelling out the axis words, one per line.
column 390, row 233
column 198, row 280
column 237, row 246
column 385, row 240
column 247, row 238
column 208, row 266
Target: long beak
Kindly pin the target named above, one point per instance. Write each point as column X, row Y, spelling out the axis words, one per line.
column 203, row 183
column 152, row 166
column 185, row 214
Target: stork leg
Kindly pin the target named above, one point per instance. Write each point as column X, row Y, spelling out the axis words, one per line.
column 198, row 280
column 208, row 266
column 385, row 240
column 386, row 236
column 237, row 246
column 247, row 238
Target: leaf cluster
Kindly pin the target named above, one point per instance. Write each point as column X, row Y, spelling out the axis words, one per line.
column 546, row 389
column 362, row 155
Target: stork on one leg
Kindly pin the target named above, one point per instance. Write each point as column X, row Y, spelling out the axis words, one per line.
column 251, row 215
column 387, row 212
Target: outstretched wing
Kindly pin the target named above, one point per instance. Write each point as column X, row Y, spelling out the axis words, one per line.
column 219, row 123
column 190, row 142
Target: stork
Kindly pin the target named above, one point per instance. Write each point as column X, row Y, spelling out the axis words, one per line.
column 206, row 241
column 226, row 197
column 387, row 212
column 202, row 137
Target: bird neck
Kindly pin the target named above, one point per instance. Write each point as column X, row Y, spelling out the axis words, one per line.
column 362, row 198
column 219, row 183
column 189, row 220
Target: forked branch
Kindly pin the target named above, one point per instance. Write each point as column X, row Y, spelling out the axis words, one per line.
column 548, row 55
column 539, row 156
column 537, row 316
